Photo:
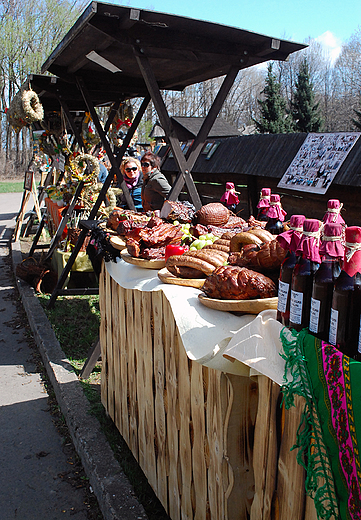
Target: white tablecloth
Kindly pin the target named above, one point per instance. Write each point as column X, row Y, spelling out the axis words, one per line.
column 243, row 345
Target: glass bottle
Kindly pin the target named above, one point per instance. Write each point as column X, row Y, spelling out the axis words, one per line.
column 275, row 215
column 331, row 252
column 303, row 273
column 289, row 240
column 263, row 204
column 345, row 311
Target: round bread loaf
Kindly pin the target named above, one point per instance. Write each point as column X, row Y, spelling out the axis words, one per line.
column 213, row 214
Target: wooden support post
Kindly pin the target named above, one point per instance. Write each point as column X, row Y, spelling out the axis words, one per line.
column 185, row 165
column 106, row 144
column 93, row 213
column 64, row 220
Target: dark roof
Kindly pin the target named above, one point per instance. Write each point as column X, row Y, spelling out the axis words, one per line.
column 267, row 156
column 221, row 128
column 188, row 128
column 49, row 88
column 181, row 51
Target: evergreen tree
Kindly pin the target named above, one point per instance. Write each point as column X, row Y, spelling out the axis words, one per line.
column 357, row 122
column 304, row 110
column 273, row 119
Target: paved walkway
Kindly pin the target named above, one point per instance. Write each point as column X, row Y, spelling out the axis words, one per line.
column 33, row 459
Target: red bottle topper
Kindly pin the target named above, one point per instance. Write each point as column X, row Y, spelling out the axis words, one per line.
column 275, row 209
column 290, row 239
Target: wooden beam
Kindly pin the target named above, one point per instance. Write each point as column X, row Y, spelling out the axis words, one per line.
column 71, row 121
column 107, row 148
column 168, row 127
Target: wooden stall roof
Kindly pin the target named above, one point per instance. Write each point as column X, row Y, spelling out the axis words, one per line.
column 188, row 128
column 49, row 87
column 266, row 156
column 181, row 50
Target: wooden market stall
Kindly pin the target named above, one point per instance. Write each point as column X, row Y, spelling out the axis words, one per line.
column 212, row 444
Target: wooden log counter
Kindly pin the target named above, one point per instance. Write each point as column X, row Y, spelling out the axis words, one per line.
column 213, row 444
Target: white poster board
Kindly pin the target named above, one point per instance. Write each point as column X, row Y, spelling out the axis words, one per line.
column 317, row 162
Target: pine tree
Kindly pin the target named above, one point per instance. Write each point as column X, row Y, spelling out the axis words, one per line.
column 304, row 110
column 273, row 118
column 357, row 122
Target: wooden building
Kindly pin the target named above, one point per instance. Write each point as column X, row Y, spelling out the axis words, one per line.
column 256, row 161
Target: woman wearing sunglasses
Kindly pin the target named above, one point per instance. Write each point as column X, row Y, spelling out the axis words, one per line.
column 133, row 177
column 155, row 187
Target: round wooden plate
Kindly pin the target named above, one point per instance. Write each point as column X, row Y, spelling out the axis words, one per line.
column 166, row 277
column 245, row 306
column 117, row 243
column 141, row 262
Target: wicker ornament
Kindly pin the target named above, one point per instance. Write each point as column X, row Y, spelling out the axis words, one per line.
column 89, row 132
column 25, row 108
column 79, row 165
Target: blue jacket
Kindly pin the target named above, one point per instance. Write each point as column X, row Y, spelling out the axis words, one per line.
column 135, row 193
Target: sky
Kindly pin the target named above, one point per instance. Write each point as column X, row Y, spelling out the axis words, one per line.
column 329, row 21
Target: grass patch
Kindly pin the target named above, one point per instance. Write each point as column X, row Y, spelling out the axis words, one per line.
column 11, row 186
column 76, row 320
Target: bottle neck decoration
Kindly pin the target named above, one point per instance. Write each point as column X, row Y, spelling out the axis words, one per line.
column 275, row 209
column 352, row 260
column 309, row 243
column 290, row 239
column 331, row 241
column 264, row 200
column 333, row 212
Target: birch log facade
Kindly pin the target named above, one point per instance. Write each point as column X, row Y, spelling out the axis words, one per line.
column 212, row 445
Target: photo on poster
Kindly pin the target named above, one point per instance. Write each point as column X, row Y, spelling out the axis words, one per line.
column 317, row 161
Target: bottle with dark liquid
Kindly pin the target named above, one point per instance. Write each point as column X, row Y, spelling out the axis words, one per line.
column 275, row 215
column 345, row 311
column 303, row 274
column 289, row 240
column 263, row 204
column 331, row 252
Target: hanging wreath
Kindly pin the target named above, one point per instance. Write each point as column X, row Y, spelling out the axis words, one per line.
column 25, row 108
column 90, row 194
column 121, row 123
column 79, row 164
column 89, row 132
column 32, row 107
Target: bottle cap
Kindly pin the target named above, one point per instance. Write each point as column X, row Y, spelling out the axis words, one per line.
column 331, row 241
column 275, row 209
column 332, row 214
column 290, row 239
column 264, row 198
column 352, row 262
column 310, row 240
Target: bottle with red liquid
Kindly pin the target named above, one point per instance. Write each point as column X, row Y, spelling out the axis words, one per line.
column 303, row 273
column 331, row 253
column 275, row 215
column 346, row 301
column 289, row 240
column 263, row 204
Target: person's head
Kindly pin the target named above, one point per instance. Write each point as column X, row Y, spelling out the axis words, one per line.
column 149, row 162
column 130, row 167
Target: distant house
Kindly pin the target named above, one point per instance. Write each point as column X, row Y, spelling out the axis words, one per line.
column 187, row 128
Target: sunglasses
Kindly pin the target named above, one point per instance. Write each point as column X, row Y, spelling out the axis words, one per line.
column 133, row 169
column 145, row 164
